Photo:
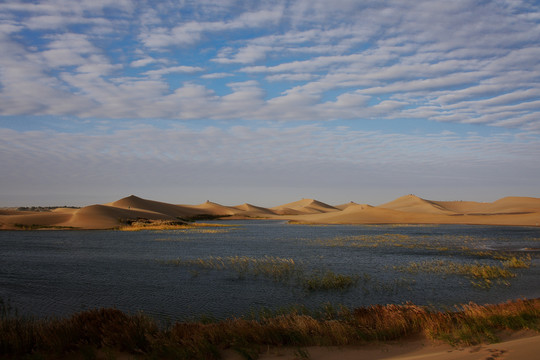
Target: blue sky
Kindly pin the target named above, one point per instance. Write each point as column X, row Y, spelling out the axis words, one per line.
column 268, row 102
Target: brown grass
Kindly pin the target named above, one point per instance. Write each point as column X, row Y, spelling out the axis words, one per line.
column 145, row 224
column 109, row 330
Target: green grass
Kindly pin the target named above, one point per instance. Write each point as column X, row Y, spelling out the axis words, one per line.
column 109, row 331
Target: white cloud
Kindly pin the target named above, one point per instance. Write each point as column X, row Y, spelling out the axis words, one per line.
column 172, row 70
column 291, row 77
column 216, row 75
column 246, row 55
column 191, row 32
column 143, row 62
column 312, row 60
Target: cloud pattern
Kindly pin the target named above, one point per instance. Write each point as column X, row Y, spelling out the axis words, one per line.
column 351, row 100
column 460, row 61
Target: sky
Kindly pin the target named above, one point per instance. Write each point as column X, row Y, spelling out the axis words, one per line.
column 268, row 102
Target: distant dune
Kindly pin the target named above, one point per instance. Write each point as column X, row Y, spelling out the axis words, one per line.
column 409, row 209
column 304, row 206
column 215, row 209
column 344, row 206
column 254, row 211
column 414, row 204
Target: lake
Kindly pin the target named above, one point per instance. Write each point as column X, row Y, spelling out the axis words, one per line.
column 185, row 274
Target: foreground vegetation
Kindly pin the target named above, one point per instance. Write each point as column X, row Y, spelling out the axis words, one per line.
column 108, row 333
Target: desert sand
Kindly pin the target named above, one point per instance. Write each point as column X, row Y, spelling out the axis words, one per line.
column 518, row 346
column 409, row 209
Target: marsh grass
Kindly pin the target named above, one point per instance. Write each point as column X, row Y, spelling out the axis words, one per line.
column 41, row 227
column 423, row 242
column 110, row 331
column 482, row 275
column 283, row 270
column 145, row 224
column 328, row 280
column 523, row 262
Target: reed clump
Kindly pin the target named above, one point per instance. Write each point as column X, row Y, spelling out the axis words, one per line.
column 481, row 275
column 284, row 270
column 112, row 331
column 514, row 262
column 329, row 281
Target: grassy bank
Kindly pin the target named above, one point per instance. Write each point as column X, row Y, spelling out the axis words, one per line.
column 108, row 332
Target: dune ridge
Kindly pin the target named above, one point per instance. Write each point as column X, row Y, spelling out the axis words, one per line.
column 304, row 206
column 409, row 209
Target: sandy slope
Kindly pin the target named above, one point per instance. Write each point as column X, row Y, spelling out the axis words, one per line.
column 30, row 218
column 133, row 202
column 212, row 208
column 516, row 347
column 412, row 203
column 106, row 217
column 377, row 215
column 304, row 206
column 344, row 206
column 249, row 210
column 409, row 209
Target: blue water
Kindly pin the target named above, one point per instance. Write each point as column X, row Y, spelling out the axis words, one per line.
column 56, row 273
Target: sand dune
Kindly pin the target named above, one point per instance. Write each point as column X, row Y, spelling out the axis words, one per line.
column 31, row 218
column 136, row 203
column 345, row 206
column 464, row 207
column 212, row 208
column 412, row 203
column 254, row 211
column 381, row 215
column 365, row 214
column 515, row 205
column 107, row 217
column 304, row 206
column 518, row 347
column 409, row 209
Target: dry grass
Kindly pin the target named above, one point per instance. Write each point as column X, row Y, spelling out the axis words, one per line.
column 481, row 274
column 145, row 224
column 110, row 330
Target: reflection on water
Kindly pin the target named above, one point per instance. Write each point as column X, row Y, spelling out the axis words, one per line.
column 174, row 274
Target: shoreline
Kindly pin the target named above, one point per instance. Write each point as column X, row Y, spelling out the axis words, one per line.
column 288, row 220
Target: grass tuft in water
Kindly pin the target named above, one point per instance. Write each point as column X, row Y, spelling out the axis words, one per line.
column 284, row 270
column 480, row 275
column 329, row 281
